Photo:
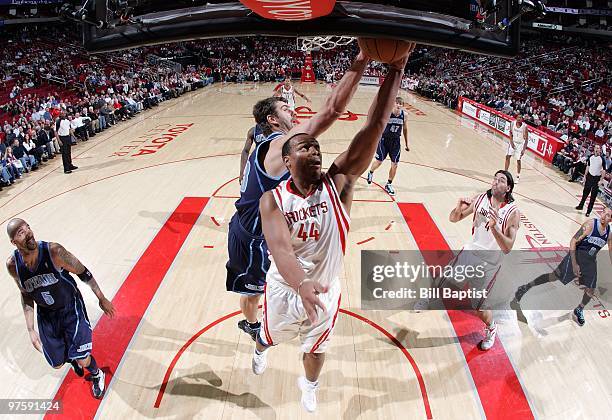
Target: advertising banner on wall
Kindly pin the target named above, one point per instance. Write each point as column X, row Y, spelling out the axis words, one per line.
column 371, row 80
column 539, row 142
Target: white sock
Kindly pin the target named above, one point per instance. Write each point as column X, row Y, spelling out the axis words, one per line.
column 315, row 383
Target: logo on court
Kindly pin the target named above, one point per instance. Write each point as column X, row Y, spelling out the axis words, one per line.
column 304, row 112
column 153, row 140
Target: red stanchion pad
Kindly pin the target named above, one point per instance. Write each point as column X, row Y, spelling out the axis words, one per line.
column 290, row 9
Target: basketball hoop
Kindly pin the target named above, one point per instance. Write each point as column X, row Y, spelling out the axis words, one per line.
column 309, row 43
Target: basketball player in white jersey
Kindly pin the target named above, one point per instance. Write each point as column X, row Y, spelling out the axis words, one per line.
column 248, row 260
column 305, row 222
column 495, row 223
column 517, row 145
column 287, row 91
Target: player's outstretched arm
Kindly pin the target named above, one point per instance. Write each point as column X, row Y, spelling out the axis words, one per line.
column 356, row 159
column 64, row 259
column 27, row 304
column 277, row 236
column 244, row 156
column 338, row 100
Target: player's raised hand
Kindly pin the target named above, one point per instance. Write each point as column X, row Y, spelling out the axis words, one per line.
column 107, row 306
column 401, row 62
column 35, row 339
column 309, row 291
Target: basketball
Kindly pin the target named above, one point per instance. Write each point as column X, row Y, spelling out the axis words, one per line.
column 384, row 50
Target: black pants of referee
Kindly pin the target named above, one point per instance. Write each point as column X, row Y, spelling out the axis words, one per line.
column 591, row 186
column 66, row 152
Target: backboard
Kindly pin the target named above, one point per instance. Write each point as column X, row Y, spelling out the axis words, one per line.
column 482, row 26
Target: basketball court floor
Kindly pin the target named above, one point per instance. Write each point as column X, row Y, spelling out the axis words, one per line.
column 147, row 212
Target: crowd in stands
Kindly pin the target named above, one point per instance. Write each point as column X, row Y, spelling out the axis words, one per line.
column 43, row 77
column 561, row 85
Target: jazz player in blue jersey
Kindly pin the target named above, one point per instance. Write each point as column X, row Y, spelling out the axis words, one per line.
column 580, row 262
column 42, row 273
column 254, row 135
column 248, row 261
column 390, row 144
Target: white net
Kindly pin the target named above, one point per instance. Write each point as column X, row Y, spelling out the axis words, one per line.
column 310, row 43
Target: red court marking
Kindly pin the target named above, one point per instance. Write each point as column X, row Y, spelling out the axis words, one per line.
column 400, row 346
column 178, row 355
column 208, row 246
column 395, row 341
column 215, row 221
column 371, row 238
column 111, row 337
column 379, row 186
column 500, row 391
column 219, row 189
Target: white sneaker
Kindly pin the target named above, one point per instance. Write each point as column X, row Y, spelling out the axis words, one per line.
column 489, row 340
column 309, row 396
column 518, row 178
column 97, row 384
column 259, row 363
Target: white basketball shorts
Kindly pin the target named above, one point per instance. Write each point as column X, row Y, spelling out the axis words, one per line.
column 284, row 318
column 517, row 151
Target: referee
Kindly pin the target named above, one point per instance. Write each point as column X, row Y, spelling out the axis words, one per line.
column 64, row 133
column 593, row 175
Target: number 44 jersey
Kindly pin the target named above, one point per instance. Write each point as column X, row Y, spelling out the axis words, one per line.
column 318, row 225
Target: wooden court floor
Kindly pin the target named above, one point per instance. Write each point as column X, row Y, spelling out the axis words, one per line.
column 147, row 212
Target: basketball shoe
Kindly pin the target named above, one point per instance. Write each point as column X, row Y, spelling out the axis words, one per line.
column 260, row 362
column 309, row 393
column 489, row 340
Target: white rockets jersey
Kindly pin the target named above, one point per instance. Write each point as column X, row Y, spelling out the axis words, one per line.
column 482, row 238
column 518, row 133
column 289, row 95
column 318, row 225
